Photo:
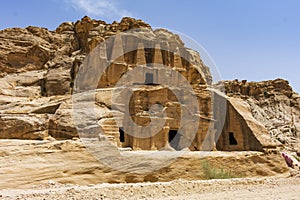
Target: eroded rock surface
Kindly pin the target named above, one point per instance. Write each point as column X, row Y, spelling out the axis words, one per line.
column 274, row 104
column 39, row 67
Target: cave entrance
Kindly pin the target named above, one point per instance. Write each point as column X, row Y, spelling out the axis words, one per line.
column 122, row 135
column 232, row 140
column 149, row 79
column 174, row 138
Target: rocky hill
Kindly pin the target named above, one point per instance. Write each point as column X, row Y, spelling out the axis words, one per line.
column 274, row 104
column 38, row 68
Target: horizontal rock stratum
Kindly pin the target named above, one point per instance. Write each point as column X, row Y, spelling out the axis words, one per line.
column 38, row 71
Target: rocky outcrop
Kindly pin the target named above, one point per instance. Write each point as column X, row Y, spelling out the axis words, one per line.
column 90, row 32
column 39, row 69
column 26, row 126
column 274, row 104
column 31, row 48
column 258, row 89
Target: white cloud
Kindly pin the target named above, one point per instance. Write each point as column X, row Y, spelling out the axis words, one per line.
column 99, row 8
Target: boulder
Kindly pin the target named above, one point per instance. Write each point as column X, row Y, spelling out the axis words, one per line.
column 24, row 126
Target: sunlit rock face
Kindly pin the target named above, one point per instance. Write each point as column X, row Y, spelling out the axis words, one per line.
column 39, row 72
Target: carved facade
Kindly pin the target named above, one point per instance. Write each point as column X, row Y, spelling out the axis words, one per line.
column 39, row 72
column 222, row 123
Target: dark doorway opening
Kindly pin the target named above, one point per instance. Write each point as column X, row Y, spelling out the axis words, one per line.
column 232, row 140
column 149, row 79
column 122, row 135
column 174, row 138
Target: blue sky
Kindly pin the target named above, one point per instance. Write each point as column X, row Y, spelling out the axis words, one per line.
column 247, row 39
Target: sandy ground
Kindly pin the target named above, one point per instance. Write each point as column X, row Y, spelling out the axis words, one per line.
column 250, row 188
column 66, row 170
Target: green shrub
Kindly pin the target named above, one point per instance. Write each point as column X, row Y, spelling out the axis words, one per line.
column 211, row 172
column 297, row 158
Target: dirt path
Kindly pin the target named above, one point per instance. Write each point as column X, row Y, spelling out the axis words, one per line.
column 250, row 188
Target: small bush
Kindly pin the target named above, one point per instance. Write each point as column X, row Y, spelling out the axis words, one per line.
column 266, row 94
column 297, row 158
column 211, row 172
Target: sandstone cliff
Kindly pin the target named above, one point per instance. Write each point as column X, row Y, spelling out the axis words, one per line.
column 38, row 68
column 274, row 104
